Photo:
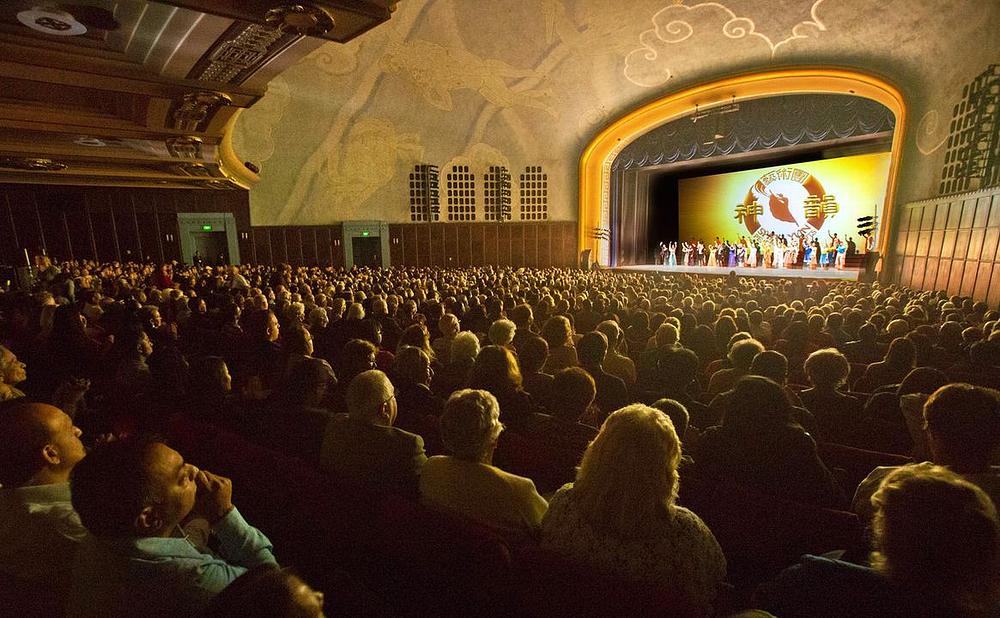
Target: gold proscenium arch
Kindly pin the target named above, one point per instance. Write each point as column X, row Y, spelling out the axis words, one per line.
column 595, row 164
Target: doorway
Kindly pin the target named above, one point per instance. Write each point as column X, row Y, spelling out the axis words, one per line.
column 367, row 251
column 210, row 247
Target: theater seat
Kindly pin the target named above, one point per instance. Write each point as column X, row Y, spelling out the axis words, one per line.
column 549, row 467
column 761, row 534
column 435, row 563
column 855, row 462
column 548, row 584
column 31, row 599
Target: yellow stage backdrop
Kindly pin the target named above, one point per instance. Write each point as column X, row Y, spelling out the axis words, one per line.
column 812, row 197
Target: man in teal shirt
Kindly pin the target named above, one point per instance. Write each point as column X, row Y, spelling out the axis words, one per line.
column 133, row 497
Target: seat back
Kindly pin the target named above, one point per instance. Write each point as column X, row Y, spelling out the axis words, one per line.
column 855, row 462
column 548, row 584
column 549, row 467
column 762, row 534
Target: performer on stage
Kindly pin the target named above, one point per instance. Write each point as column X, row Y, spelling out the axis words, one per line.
column 700, row 257
column 661, row 254
column 807, row 256
column 713, row 258
column 751, row 254
column 685, row 253
column 839, row 250
column 816, row 250
column 672, row 253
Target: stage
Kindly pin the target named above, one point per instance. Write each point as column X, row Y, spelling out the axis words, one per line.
column 848, row 274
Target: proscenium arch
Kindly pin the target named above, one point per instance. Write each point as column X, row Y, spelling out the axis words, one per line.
column 595, row 164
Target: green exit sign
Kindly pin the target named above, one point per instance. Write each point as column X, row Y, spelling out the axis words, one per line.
column 206, row 228
column 366, row 233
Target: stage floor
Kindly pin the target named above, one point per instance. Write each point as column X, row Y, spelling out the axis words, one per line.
column 848, row 274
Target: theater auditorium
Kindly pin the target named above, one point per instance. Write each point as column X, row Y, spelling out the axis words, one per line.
column 580, row 308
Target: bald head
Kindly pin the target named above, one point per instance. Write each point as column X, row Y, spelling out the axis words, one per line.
column 39, row 445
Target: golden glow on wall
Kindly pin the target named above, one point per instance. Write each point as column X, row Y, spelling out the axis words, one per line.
column 825, row 196
column 595, row 163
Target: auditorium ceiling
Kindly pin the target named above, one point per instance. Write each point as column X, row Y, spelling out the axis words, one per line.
column 358, row 92
column 530, row 82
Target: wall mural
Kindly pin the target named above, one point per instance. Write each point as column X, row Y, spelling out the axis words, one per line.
column 649, row 65
column 530, row 82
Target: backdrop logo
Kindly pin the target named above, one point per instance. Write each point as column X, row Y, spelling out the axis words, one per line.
column 786, row 201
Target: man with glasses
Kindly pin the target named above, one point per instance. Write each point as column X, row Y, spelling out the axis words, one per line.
column 364, row 448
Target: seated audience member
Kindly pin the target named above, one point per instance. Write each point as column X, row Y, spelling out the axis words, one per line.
column 466, row 482
column 133, row 496
column 260, row 366
column 837, row 415
column 209, row 396
column 39, row 531
column 412, row 374
column 132, row 375
column 449, row 326
column 866, row 349
column 418, row 336
column 677, row 378
column 760, row 445
column 621, row 514
column 564, row 427
column 12, row 373
column 297, row 345
column 667, row 339
column 936, row 538
column 357, row 357
column 266, row 591
column 899, row 360
column 531, row 356
column 297, row 418
column 558, row 333
column 741, row 354
column 960, row 425
column 884, row 427
column 455, row 375
column 524, row 320
column 677, row 414
column 611, row 391
column 615, row 363
column 496, row 371
column 501, row 333
column 364, row 448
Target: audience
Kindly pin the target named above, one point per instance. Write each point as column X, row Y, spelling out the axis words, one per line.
column 837, row 415
column 39, row 531
column 759, row 445
column 937, row 553
column 266, row 591
column 849, row 363
column 621, row 516
column 611, row 391
column 133, row 497
column 960, row 426
column 363, row 447
column 12, row 373
column 465, row 481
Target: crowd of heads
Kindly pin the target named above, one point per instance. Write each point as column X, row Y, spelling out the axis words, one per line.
column 654, row 370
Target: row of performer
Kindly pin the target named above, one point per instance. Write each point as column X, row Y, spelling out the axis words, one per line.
column 769, row 251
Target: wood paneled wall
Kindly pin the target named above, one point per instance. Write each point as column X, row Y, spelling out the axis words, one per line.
column 107, row 223
column 537, row 244
column 951, row 243
column 117, row 223
column 298, row 245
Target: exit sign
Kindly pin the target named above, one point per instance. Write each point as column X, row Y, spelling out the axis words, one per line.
column 366, row 233
column 206, row 228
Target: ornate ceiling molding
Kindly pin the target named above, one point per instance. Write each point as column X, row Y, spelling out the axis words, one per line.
column 163, row 83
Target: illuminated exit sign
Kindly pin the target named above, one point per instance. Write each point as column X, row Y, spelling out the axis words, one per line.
column 366, row 233
column 206, row 228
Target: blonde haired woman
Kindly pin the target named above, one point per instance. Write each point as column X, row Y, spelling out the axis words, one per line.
column 620, row 514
